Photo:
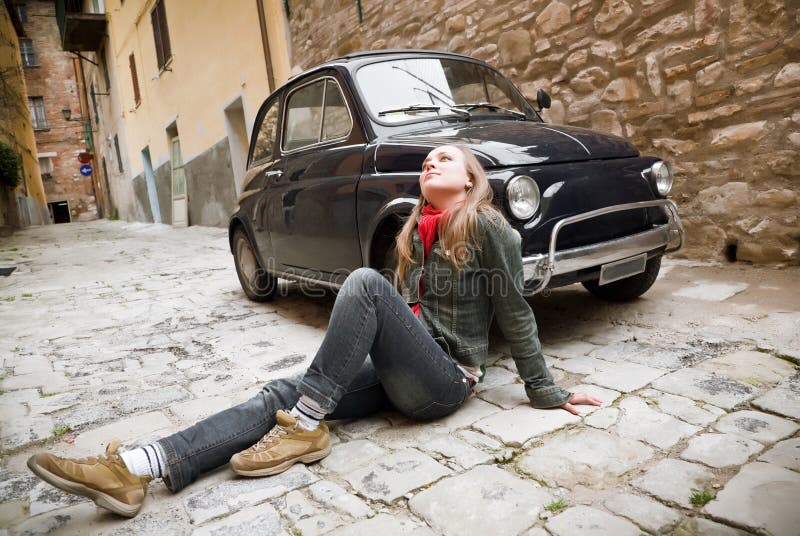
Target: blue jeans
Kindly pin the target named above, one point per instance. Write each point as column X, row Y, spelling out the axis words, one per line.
column 375, row 355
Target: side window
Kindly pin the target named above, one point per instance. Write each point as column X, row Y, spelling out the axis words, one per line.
column 267, row 132
column 336, row 122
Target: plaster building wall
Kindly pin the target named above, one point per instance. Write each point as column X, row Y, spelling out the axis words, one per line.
column 208, row 92
column 711, row 85
column 16, row 131
column 55, row 79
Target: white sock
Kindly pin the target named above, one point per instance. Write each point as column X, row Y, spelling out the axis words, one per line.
column 145, row 461
column 307, row 413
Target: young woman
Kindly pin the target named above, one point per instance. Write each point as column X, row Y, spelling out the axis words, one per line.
column 419, row 351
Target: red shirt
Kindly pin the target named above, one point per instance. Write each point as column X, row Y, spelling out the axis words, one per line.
column 427, row 228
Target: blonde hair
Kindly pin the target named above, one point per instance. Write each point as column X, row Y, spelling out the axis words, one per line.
column 458, row 227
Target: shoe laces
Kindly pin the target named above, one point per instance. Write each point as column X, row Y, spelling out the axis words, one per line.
column 110, row 457
column 270, row 438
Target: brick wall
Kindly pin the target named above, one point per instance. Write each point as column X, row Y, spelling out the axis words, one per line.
column 711, row 85
column 54, row 79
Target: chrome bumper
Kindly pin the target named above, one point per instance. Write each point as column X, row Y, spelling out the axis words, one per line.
column 538, row 269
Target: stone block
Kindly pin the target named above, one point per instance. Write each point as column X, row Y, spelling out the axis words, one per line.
column 621, row 90
column 625, row 377
column 761, row 497
column 649, row 355
column 606, row 397
column 360, row 428
column 495, row 377
column 720, row 450
column 516, row 426
column 479, row 502
column 384, row 524
column 789, row 75
column 673, row 481
column 191, row 411
column 754, row 368
column 452, row 449
column 782, row 400
column 736, row 134
column 674, row 26
column 348, row 456
column 23, row 430
column 506, row 396
column 479, row 440
column 514, row 47
column 50, row 382
column 683, row 408
column 707, row 115
column 612, row 15
column 692, row 526
column 603, row 418
column 583, row 364
column 710, row 75
column 705, row 387
column 332, row 495
column 553, row 17
column 761, row 427
column 263, row 520
column 567, row 460
column 44, row 498
column 583, row 521
column 395, row 475
column 640, row 421
column 645, row 512
column 785, row 454
column 131, row 431
column 473, row 410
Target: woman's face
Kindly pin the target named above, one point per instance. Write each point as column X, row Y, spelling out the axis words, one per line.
column 444, row 174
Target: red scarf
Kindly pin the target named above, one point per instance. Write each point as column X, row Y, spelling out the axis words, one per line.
column 427, row 228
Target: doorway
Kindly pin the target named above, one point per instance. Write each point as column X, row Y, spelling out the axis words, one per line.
column 236, row 129
column 59, row 211
column 150, row 180
column 180, row 205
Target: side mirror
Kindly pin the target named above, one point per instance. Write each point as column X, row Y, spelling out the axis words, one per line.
column 542, row 99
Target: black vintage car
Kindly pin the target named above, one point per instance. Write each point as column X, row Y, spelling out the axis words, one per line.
column 336, row 154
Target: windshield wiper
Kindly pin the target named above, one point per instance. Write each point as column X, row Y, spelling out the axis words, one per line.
column 469, row 106
column 412, row 108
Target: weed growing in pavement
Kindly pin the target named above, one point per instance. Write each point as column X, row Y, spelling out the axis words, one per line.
column 46, row 395
column 556, row 506
column 27, row 295
column 9, row 298
column 700, row 497
column 61, row 430
column 8, row 259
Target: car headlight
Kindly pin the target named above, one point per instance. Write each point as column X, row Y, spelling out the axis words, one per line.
column 523, row 197
column 662, row 177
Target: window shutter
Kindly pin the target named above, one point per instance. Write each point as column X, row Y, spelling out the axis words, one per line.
column 154, row 19
column 162, row 17
column 135, row 80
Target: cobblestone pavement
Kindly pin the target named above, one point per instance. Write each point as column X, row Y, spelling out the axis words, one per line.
column 113, row 329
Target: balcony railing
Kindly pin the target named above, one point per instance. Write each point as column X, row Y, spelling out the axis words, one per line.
column 80, row 32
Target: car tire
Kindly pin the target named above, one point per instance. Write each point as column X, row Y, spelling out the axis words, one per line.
column 258, row 284
column 629, row 288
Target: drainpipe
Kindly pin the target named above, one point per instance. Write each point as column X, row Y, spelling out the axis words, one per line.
column 262, row 24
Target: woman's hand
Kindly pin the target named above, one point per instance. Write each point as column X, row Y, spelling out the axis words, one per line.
column 580, row 398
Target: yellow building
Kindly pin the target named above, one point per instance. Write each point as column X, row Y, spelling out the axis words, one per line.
column 27, row 205
column 175, row 90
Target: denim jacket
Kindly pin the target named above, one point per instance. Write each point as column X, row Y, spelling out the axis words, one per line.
column 457, row 307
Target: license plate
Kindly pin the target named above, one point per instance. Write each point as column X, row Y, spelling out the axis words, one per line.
column 614, row 271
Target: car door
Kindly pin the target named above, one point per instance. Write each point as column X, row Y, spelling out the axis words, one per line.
column 311, row 213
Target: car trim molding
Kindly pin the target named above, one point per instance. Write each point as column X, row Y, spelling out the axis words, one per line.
column 538, row 269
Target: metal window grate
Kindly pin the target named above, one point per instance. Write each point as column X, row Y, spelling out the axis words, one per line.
column 27, row 52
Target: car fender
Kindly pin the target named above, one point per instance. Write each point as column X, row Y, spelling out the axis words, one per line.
column 399, row 206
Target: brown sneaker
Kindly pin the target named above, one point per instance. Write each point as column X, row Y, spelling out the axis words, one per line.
column 284, row 445
column 104, row 479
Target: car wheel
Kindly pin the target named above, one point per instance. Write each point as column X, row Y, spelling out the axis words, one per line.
column 629, row 288
column 258, row 285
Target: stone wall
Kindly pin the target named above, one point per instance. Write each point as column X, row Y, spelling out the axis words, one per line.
column 711, row 85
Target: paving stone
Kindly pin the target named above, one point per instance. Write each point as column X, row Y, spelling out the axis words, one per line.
column 384, row 524
column 406, row 434
column 762, row 427
column 171, row 521
column 584, row 456
column 711, row 290
column 782, row 400
column 754, row 368
column 479, row 440
column 262, row 519
column 644, row 354
column 19, row 396
column 295, row 506
column 583, row 520
column 516, row 426
column 786, row 454
column 395, row 475
column 361, row 428
column 24, row 430
column 455, row 450
column 58, row 521
column 16, row 487
column 496, row 376
column 693, row 526
column 603, row 418
column 50, row 404
column 606, row 397
column 625, row 377
column 481, row 501
column 649, row 514
column 51, row 382
column 233, row 495
column 318, row 524
column 472, row 410
column 506, row 396
column 153, row 399
column 640, row 421
column 44, row 498
column 11, row 514
column 33, row 365
column 332, row 495
column 673, row 481
column 130, row 430
column 683, row 408
column 536, row 531
column 569, row 349
column 195, row 410
column 706, row 387
column 348, row 456
column 760, row 497
column 583, row 364
column 720, row 450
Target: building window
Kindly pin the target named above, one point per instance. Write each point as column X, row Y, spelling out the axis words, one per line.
column 28, row 54
column 116, row 150
column 104, row 68
column 137, row 98
column 46, row 167
column 38, row 118
column 22, row 12
column 161, row 34
column 94, row 104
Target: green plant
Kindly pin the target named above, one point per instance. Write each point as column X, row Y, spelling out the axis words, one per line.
column 61, row 430
column 9, row 298
column 556, row 506
column 700, row 497
column 9, row 166
column 27, row 295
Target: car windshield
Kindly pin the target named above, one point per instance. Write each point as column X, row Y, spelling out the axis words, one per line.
column 403, row 90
